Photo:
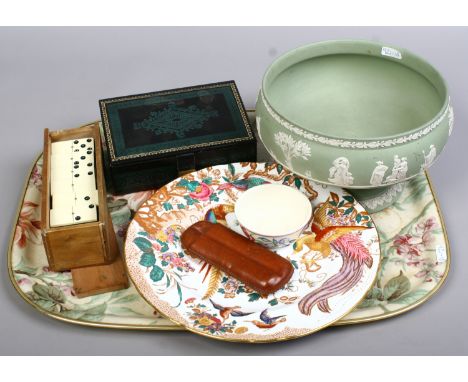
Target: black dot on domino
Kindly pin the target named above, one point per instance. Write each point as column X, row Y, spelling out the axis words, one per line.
column 90, row 173
column 75, row 142
column 77, row 217
column 83, row 145
column 89, row 152
column 76, row 150
column 77, row 175
column 89, row 140
column 76, row 162
column 90, row 164
column 83, row 157
column 91, row 206
column 87, row 198
column 76, row 166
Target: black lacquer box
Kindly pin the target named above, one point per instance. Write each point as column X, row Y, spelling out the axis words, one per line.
column 150, row 139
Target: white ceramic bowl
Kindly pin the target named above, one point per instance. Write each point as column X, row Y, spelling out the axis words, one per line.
column 273, row 215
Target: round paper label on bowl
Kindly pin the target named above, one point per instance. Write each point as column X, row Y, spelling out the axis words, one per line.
column 391, row 52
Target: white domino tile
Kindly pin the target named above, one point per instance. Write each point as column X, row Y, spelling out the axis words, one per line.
column 73, row 182
column 60, row 148
column 86, row 211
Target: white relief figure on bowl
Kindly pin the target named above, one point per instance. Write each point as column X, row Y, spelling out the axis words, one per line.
column 378, row 174
column 429, row 157
column 292, row 148
column 450, row 120
column 400, row 167
column 339, row 173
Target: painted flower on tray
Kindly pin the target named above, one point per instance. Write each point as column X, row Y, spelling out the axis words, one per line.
column 36, row 176
column 202, row 192
column 408, row 246
column 28, row 228
column 426, row 229
column 407, row 250
column 121, row 231
column 428, row 271
column 412, row 245
column 24, row 282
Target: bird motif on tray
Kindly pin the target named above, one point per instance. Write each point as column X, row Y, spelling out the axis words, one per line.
column 226, row 311
column 268, row 322
column 343, row 240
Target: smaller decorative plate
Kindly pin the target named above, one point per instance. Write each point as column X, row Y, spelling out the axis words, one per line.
column 335, row 262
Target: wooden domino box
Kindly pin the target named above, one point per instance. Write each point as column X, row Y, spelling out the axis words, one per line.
column 88, row 243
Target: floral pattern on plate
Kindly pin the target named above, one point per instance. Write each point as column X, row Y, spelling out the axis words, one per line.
column 342, row 243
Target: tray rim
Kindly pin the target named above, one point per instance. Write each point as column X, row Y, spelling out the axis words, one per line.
column 180, row 328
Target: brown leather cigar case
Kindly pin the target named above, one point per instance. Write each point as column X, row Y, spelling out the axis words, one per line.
column 237, row 256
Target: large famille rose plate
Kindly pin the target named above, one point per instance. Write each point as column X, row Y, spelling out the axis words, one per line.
column 194, row 294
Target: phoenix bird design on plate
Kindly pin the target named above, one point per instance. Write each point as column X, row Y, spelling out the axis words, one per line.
column 345, row 241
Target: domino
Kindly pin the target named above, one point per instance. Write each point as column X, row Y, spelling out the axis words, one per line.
column 85, row 211
column 61, row 148
column 73, row 188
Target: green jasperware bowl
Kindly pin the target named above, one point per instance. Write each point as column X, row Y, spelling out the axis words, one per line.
column 355, row 114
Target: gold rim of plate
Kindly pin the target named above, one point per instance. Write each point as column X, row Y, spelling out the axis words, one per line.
column 181, row 328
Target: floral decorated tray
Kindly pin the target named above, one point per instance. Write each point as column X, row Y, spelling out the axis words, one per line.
column 414, row 264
